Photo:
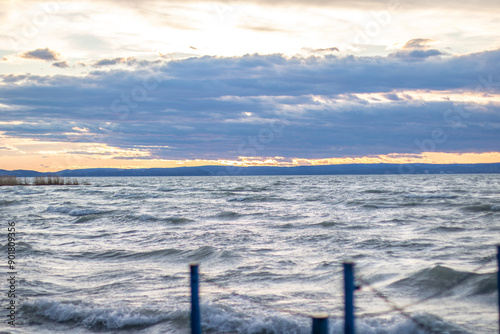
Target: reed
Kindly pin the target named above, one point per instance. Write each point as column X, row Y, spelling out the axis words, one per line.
column 49, row 180
column 7, row 180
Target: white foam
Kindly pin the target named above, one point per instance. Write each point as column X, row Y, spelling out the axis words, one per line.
column 223, row 319
column 91, row 316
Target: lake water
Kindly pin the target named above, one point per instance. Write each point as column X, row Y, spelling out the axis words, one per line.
column 113, row 256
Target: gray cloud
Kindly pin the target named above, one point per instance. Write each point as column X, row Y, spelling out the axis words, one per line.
column 129, row 61
column 42, row 54
column 10, row 78
column 61, row 64
column 212, row 107
column 393, row 97
column 416, row 54
column 114, row 61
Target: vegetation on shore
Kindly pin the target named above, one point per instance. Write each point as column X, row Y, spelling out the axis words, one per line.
column 51, row 180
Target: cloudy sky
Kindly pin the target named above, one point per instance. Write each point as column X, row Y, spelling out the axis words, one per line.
column 129, row 84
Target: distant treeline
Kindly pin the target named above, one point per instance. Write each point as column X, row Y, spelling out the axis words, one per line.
column 7, row 180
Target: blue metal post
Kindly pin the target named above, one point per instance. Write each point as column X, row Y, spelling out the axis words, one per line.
column 498, row 284
column 320, row 324
column 195, row 300
column 349, row 298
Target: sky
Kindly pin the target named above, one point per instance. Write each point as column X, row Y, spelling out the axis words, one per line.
column 129, row 84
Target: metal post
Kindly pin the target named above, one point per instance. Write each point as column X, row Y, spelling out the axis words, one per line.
column 498, row 284
column 349, row 298
column 195, row 300
column 320, row 324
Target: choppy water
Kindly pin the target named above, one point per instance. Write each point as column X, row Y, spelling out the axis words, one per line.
column 113, row 257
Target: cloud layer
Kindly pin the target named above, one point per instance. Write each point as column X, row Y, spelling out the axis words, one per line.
column 266, row 106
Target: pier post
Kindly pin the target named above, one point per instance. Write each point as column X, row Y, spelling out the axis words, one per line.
column 498, row 284
column 320, row 324
column 349, row 298
column 195, row 300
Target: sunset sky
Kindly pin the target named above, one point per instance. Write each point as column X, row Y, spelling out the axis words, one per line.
column 130, row 84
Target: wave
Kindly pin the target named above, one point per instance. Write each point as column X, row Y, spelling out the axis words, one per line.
column 22, row 190
column 217, row 318
column 146, row 217
column 178, row 220
column 198, row 254
column 483, row 207
column 284, row 183
column 257, row 199
column 84, row 212
column 165, row 189
column 377, row 243
column 435, row 278
column 227, row 215
column 314, row 199
column 257, row 189
column 25, row 249
column 378, row 191
column 90, row 316
column 247, row 188
column 379, row 206
column 448, row 229
column 443, row 280
column 483, row 284
column 58, row 209
column 39, row 288
column 8, row 202
column 328, row 223
column 214, row 318
column 86, row 218
column 428, row 196
column 290, row 217
column 122, row 254
column 220, row 319
column 237, row 199
column 152, row 218
column 421, row 323
column 286, row 226
column 75, row 211
column 133, row 195
column 201, row 253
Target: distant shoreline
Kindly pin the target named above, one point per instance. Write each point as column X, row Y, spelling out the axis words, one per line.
column 346, row 169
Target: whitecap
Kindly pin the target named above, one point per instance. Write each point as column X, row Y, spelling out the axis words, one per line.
column 91, row 316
